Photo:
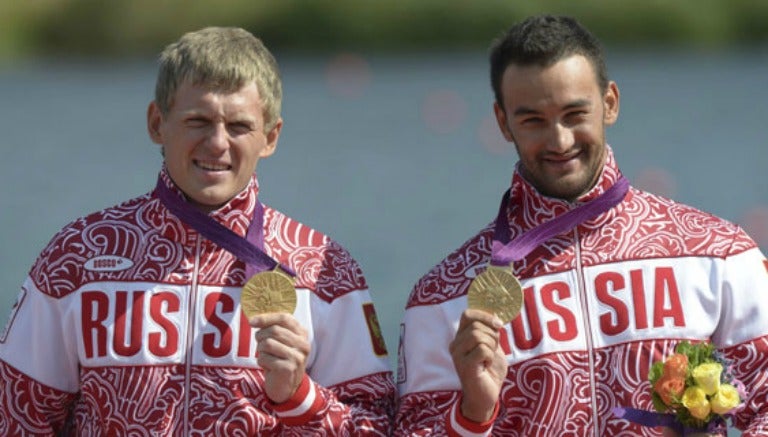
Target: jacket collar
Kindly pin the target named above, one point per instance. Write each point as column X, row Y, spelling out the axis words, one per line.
column 522, row 189
column 236, row 214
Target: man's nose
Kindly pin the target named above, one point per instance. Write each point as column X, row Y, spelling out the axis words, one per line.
column 562, row 138
column 218, row 138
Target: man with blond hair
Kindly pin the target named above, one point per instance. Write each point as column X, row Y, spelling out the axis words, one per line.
column 195, row 309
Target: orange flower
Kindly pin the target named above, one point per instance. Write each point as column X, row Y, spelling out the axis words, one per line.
column 668, row 387
column 676, row 366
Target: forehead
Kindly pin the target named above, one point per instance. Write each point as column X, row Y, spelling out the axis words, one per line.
column 567, row 80
column 192, row 96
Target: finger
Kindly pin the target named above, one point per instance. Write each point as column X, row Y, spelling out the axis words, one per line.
column 282, row 360
column 473, row 336
column 269, row 319
column 477, row 328
column 480, row 354
column 484, row 317
column 279, row 335
column 272, row 353
column 478, row 363
column 478, row 320
column 282, row 334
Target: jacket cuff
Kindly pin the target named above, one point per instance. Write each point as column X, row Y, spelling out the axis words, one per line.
column 458, row 425
column 305, row 403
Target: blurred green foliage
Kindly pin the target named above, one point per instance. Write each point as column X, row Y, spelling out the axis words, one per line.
column 64, row 28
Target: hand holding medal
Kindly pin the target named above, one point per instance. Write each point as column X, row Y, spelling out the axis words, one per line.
column 268, row 299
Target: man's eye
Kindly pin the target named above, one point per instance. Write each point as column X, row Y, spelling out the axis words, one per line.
column 576, row 116
column 240, row 128
column 196, row 122
column 531, row 121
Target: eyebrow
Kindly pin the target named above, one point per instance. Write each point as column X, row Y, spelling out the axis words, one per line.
column 524, row 110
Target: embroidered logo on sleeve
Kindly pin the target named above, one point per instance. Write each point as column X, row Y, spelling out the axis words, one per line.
column 12, row 317
column 377, row 339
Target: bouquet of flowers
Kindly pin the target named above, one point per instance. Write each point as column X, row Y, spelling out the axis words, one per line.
column 693, row 390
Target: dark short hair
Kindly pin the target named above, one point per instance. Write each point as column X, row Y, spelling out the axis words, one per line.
column 543, row 40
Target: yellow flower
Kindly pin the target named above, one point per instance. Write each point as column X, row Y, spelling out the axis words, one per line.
column 707, row 376
column 695, row 400
column 726, row 399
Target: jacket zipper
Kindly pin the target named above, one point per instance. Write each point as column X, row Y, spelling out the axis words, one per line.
column 587, row 330
column 190, row 332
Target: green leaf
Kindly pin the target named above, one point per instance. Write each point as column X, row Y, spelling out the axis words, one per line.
column 657, row 369
column 658, row 404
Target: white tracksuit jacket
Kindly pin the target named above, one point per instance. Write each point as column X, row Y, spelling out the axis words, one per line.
column 601, row 304
column 129, row 323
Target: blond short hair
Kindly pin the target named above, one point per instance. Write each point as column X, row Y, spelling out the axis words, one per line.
column 223, row 59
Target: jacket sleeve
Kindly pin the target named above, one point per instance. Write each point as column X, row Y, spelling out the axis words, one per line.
column 430, row 392
column 38, row 365
column 349, row 389
column 743, row 334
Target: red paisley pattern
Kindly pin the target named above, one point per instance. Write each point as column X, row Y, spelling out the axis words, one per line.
column 320, row 263
column 212, row 401
column 351, row 393
column 17, row 391
column 750, row 359
column 422, row 410
column 555, row 394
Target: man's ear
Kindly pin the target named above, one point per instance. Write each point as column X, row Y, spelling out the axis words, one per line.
column 611, row 103
column 272, row 136
column 501, row 120
column 154, row 121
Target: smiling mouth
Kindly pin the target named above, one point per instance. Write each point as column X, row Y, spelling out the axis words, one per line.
column 560, row 159
column 212, row 166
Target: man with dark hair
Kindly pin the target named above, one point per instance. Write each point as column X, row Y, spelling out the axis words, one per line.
column 549, row 318
column 138, row 319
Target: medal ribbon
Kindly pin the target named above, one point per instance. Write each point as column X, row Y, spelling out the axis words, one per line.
column 248, row 249
column 653, row 419
column 503, row 251
column 649, row 418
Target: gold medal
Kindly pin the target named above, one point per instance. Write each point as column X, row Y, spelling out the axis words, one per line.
column 271, row 291
column 496, row 291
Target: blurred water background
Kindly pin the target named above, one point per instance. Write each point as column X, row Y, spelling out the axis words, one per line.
column 393, row 153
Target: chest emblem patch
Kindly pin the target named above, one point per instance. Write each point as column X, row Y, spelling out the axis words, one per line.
column 377, row 339
column 108, row 263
